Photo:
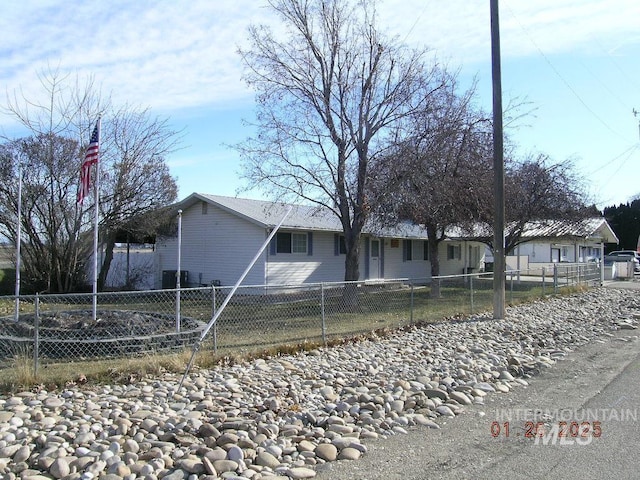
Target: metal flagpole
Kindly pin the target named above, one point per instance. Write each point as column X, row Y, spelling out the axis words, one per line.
column 18, row 243
column 95, row 230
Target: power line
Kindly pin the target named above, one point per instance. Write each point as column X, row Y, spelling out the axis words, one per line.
column 415, row 23
column 609, row 162
column 631, row 150
column 557, row 72
column 605, row 86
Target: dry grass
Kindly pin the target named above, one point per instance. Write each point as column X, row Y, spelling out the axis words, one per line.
column 282, row 331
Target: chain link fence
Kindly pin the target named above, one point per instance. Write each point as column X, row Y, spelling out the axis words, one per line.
column 61, row 328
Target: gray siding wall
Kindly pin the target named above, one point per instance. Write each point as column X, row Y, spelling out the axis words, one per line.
column 322, row 266
column 540, row 251
column 216, row 246
column 396, row 266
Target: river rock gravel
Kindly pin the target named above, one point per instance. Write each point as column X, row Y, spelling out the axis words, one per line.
column 284, row 417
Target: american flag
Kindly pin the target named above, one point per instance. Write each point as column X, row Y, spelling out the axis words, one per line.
column 90, row 158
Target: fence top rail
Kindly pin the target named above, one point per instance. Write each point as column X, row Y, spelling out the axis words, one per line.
column 309, row 286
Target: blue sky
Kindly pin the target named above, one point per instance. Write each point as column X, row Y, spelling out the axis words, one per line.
column 576, row 61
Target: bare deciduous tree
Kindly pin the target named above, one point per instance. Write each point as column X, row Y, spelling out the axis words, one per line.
column 50, row 222
column 537, row 190
column 436, row 174
column 134, row 177
column 328, row 91
column 137, row 179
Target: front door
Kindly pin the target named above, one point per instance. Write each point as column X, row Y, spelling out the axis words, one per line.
column 374, row 260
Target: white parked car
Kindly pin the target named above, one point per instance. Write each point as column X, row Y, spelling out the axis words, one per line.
column 624, row 256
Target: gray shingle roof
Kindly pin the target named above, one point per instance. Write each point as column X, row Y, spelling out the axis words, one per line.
column 269, row 214
column 585, row 228
column 307, row 217
column 302, row 217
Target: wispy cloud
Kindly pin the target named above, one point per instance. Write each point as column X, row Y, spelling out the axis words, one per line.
column 460, row 29
column 164, row 54
column 174, row 54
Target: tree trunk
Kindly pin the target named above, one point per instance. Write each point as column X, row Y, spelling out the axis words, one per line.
column 434, row 260
column 352, row 268
column 110, row 242
column 352, row 264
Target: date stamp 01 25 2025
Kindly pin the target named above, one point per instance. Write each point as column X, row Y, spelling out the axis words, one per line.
column 563, row 433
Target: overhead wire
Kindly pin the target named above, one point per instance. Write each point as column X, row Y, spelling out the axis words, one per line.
column 609, row 162
column 631, row 149
column 602, row 184
column 561, row 77
column 415, row 23
column 610, row 177
column 604, row 86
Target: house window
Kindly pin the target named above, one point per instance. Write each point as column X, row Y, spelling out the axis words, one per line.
column 425, row 250
column 340, row 246
column 299, row 242
column 453, row 252
column 205, row 205
column 283, row 242
column 287, row 242
column 407, row 250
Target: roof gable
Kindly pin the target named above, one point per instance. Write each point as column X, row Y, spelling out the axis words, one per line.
column 268, row 214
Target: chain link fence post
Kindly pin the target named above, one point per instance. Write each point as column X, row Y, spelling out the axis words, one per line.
column 411, row 307
column 511, row 287
column 580, row 275
column 471, row 292
column 555, row 278
column 544, row 270
column 36, row 336
column 322, row 316
column 213, row 314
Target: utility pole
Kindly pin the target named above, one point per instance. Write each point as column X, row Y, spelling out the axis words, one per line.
column 498, row 170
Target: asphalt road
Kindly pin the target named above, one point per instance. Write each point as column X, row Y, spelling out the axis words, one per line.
column 599, row 382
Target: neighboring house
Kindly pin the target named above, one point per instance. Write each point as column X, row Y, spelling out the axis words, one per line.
column 131, row 268
column 221, row 235
column 550, row 242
